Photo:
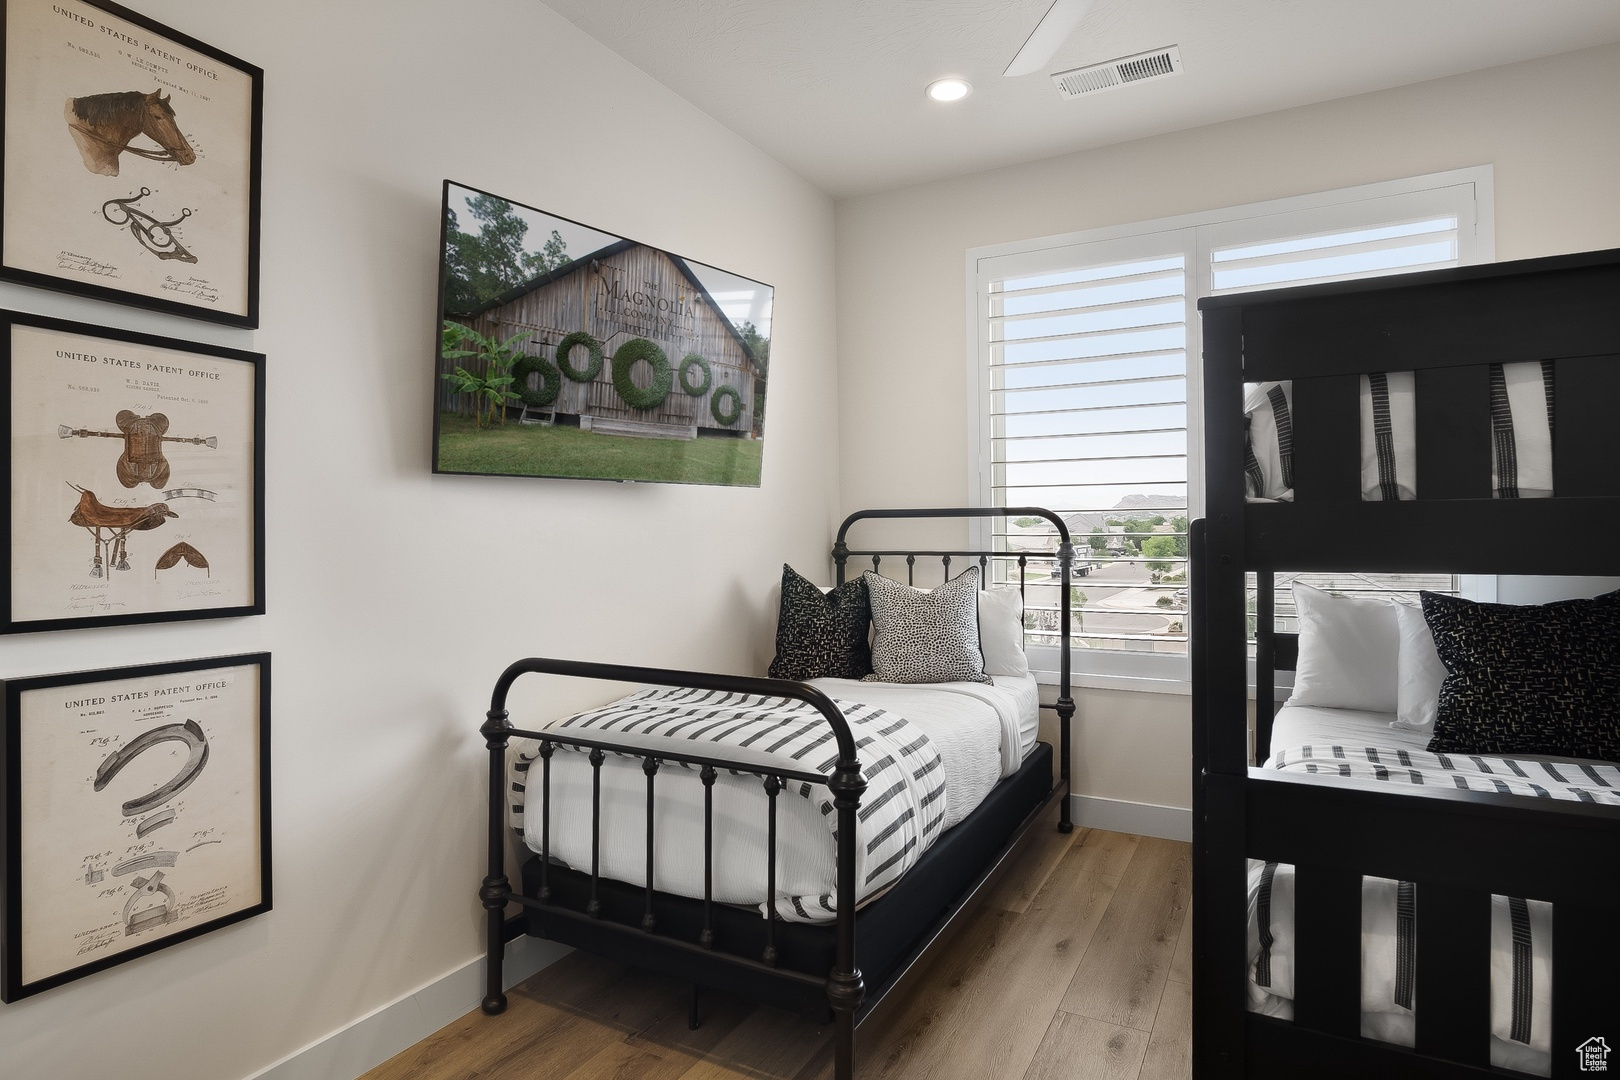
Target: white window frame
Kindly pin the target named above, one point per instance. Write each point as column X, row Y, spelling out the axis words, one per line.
column 1468, row 192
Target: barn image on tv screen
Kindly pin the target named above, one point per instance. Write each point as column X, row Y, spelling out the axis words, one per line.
column 620, row 342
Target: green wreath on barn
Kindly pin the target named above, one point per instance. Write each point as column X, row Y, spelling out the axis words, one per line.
column 730, row 416
column 550, row 381
column 566, row 346
column 629, row 354
column 694, row 362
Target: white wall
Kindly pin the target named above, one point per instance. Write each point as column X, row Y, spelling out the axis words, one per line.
column 1547, row 126
column 396, row 597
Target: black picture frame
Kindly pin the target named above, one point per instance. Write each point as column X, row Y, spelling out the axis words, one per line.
column 240, row 758
column 183, row 67
column 34, row 561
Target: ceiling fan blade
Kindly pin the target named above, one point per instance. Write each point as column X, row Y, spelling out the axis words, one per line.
column 1060, row 20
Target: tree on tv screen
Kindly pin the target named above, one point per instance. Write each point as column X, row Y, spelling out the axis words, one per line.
column 482, row 265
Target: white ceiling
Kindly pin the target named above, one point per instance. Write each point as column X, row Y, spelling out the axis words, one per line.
column 834, row 88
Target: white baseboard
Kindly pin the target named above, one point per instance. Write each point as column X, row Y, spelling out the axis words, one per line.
column 374, row 1038
column 1143, row 819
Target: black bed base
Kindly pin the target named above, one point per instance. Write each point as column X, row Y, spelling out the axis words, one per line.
column 1459, row 847
column 773, row 960
column 889, row 931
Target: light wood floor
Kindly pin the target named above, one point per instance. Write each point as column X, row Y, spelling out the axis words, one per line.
column 1078, row 967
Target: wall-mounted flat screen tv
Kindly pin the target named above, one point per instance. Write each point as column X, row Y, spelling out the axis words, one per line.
column 566, row 351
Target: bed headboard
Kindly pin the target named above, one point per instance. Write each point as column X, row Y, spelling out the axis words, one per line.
column 1063, row 557
column 1447, row 327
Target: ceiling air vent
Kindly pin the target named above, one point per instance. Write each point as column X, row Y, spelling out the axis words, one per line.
column 1158, row 64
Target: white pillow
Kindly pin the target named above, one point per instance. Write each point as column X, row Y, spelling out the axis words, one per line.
column 1001, row 632
column 1421, row 672
column 1348, row 650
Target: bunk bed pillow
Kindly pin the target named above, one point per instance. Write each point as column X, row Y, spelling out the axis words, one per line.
column 1348, row 649
column 1001, row 632
column 1268, row 452
column 1419, row 670
column 1388, row 436
column 925, row 637
column 822, row 634
column 1536, row 679
column 1522, row 430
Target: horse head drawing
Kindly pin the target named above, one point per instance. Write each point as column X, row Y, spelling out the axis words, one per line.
column 102, row 126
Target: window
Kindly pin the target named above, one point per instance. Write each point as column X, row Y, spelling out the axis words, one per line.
column 1084, row 400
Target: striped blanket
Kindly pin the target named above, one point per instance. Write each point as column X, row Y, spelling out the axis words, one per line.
column 901, row 811
column 1570, row 781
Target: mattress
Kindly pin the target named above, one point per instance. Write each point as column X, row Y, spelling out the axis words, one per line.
column 1307, row 725
column 978, row 731
column 1325, row 741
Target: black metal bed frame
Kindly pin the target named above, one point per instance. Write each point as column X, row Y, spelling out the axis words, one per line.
column 1460, row 847
column 845, row 989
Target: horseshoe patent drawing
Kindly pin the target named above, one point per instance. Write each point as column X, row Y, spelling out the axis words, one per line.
column 159, row 909
column 189, row 733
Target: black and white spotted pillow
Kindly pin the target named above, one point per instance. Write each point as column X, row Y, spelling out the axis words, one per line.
column 926, row 637
column 821, row 634
column 1541, row 679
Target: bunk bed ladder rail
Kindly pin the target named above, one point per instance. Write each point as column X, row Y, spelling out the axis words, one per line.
column 1064, row 706
column 844, row 986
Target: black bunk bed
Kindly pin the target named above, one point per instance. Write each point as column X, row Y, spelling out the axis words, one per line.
column 849, row 966
column 1460, row 847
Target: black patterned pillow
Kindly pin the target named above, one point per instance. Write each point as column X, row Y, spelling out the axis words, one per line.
column 822, row 633
column 1539, row 679
column 926, row 637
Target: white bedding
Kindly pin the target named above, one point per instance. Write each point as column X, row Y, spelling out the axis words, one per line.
column 1296, row 727
column 982, row 732
column 1303, row 725
column 956, row 717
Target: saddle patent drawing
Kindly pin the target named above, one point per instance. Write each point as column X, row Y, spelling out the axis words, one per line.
column 142, row 461
column 94, row 516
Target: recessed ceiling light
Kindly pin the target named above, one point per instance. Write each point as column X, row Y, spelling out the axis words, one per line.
column 949, row 89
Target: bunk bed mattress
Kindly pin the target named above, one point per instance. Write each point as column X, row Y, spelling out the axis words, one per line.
column 975, row 732
column 1366, row 745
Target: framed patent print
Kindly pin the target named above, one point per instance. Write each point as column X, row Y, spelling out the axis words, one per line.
column 131, row 161
column 137, row 813
column 134, row 490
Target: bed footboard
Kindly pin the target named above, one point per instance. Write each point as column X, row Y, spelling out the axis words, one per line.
column 1459, row 848
column 844, row 987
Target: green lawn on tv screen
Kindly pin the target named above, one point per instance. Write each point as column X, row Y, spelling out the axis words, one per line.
column 532, row 450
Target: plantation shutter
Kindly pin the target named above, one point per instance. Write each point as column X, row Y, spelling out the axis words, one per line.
column 1407, row 247
column 1086, row 404
column 1087, row 409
